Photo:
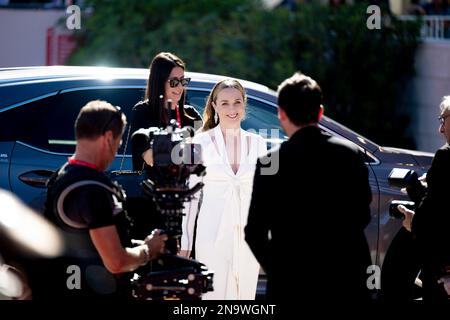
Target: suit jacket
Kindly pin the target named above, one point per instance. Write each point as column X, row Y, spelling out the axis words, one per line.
column 315, row 207
column 431, row 223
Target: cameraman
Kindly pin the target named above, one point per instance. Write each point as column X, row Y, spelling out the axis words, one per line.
column 431, row 222
column 83, row 202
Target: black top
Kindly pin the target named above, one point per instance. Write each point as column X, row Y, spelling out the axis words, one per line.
column 86, row 205
column 430, row 225
column 91, row 205
column 144, row 117
column 314, row 201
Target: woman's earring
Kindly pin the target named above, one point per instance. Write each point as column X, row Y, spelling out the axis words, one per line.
column 216, row 117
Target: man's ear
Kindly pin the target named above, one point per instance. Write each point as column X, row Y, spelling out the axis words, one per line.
column 108, row 137
column 321, row 111
column 281, row 114
column 108, row 134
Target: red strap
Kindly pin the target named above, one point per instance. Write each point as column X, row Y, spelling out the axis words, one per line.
column 178, row 117
column 83, row 163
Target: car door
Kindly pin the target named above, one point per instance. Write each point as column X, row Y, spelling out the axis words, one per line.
column 30, row 162
column 43, row 135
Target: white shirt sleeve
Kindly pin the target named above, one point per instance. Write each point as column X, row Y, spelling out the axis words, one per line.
column 190, row 212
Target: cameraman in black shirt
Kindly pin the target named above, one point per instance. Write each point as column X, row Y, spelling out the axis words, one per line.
column 85, row 203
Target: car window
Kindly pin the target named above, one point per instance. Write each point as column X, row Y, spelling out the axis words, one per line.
column 263, row 119
column 197, row 99
column 48, row 123
column 62, row 116
column 27, row 123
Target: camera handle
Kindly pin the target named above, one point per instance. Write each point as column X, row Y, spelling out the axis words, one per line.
column 158, row 195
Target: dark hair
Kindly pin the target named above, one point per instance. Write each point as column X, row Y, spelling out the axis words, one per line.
column 97, row 117
column 300, row 97
column 208, row 114
column 160, row 69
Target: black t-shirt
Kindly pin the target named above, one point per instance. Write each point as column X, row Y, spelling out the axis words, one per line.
column 91, row 205
column 89, row 200
column 145, row 116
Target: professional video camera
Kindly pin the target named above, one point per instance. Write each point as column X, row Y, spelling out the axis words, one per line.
column 416, row 191
column 167, row 182
column 175, row 158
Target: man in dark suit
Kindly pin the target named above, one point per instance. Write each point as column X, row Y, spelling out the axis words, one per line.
column 430, row 224
column 315, row 207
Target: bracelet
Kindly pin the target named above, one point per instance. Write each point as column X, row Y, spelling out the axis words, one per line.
column 146, row 255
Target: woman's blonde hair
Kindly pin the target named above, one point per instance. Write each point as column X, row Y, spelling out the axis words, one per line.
column 209, row 113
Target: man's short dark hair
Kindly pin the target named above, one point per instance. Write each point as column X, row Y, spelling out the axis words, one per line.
column 300, row 97
column 97, row 117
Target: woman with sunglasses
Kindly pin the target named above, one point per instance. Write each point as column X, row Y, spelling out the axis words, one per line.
column 166, row 82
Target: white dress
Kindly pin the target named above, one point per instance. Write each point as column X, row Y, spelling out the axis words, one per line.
column 220, row 242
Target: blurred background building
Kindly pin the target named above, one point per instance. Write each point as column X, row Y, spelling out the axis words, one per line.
column 34, row 33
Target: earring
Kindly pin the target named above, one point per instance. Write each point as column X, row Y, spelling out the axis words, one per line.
column 216, row 117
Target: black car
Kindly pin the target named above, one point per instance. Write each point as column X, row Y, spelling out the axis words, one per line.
column 38, row 107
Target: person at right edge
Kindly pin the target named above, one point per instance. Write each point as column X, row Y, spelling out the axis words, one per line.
column 430, row 223
column 316, row 207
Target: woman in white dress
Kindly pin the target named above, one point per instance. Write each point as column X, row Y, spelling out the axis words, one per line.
column 229, row 154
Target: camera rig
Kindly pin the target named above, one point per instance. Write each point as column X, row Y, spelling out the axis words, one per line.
column 175, row 158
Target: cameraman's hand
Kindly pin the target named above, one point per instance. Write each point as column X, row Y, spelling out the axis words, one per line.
column 136, row 243
column 445, row 281
column 156, row 243
column 408, row 216
column 148, row 157
column 184, row 253
column 423, row 180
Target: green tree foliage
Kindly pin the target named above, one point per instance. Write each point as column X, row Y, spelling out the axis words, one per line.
column 361, row 71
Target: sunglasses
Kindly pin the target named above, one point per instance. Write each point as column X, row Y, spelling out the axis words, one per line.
column 118, row 113
column 174, row 82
